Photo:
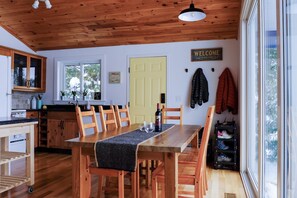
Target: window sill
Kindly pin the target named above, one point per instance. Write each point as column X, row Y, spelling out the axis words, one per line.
column 80, row 102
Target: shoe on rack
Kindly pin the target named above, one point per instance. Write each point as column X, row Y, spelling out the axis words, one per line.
column 222, row 146
column 224, row 158
column 224, row 135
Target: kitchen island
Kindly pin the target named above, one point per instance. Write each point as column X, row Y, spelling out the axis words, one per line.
column 13, row 126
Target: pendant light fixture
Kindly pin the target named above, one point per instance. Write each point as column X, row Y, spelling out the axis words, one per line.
column 192, row 14
column 47, row 3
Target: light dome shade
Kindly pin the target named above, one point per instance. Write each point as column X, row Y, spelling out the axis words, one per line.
column 48, row 5
column 192, row 14
column 35, row 4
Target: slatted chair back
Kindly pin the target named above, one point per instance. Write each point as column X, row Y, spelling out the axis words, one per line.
column 119, row 115
column 108, row 118
column 172, row 114
column 204, row 142
column 83, row 125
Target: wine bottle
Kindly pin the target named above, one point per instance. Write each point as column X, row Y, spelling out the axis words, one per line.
column 158, row 119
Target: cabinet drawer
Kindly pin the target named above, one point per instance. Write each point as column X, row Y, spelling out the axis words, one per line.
column 32, row 114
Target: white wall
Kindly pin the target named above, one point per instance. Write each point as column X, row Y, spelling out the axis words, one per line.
column 7, row 40
column 178, row 59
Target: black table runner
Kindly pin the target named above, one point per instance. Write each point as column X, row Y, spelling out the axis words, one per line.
column 120, row 152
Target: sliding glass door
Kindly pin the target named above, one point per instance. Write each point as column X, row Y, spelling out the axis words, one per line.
column 270, row 98
column 290, row 99
column 253, row 98
column 262, row 99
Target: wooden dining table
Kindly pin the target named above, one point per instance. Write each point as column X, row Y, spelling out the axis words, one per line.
column 165, row 146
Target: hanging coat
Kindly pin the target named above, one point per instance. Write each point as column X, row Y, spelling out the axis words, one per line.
column 199, row 93
column 226, row 93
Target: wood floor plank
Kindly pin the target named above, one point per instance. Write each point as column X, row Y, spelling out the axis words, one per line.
column 53, row 178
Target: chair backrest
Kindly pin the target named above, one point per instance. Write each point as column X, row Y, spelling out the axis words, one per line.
column 172, row 114
column 123, row 111
column 108, row 118
column 83, row 125
column 204, row 142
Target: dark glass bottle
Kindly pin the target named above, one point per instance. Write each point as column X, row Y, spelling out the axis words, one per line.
column 158, row 119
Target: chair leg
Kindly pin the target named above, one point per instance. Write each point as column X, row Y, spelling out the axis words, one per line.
column 100, row 183
column 137, row 184
column 134, row 184
column 154, row 187
column 163, row 190
column 206, row 184
column 121, row 184
column 147, row 173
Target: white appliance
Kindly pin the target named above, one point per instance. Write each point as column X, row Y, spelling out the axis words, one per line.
column 5, row 88
column 17, row 142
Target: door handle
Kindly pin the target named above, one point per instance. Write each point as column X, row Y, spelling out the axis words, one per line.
column 163, row 98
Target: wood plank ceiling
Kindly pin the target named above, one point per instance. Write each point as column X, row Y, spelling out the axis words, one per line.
column 93, row 23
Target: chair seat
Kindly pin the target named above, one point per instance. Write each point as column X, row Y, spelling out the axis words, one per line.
column 189, row 154
column 186, row 172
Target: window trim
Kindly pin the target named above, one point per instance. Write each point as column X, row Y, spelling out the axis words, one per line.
column 61, row 61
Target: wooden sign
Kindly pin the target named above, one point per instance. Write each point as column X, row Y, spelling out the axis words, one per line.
column 114, row 77
column 207, row 54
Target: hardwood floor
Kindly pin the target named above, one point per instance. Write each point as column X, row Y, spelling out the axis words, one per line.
column 53, row 178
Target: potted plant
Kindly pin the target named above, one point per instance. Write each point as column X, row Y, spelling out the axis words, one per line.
column 73, row 95
column 62, row 95
column 85, row 93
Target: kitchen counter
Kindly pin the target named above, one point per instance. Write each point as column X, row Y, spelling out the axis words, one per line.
column 10, row 120
column 69, row 108
column 11, row 127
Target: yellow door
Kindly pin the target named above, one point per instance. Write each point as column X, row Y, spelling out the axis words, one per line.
column 147, row 82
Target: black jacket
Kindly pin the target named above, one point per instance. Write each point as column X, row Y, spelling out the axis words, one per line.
column 199, row 93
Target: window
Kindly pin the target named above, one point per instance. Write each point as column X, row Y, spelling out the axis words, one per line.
column 82, row 77
column 270, row 90
column 275, row 156
column 290, row 121
column 253, row 98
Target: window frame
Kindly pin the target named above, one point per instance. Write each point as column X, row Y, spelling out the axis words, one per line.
column 251, row 189
column 82, row 71
column 254, row 185
column 59, row 80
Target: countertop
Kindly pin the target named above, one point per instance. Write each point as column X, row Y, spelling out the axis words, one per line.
column 9, row 120
column 69, row 108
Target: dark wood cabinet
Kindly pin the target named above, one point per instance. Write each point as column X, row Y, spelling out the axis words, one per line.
column 29, row 72
column 34, row 114
column 61, row 126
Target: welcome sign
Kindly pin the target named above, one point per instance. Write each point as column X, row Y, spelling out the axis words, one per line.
column 207, row 54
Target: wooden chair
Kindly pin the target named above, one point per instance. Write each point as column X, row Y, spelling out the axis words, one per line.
column 119, row 112
column 91, row 166
column 108, row 118
column 172, row 114
column 82, row 127
column 190, row 172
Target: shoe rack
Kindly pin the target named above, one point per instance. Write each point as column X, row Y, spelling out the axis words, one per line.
column 226, row 146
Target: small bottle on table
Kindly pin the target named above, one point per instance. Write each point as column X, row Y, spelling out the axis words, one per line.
column 158, row 119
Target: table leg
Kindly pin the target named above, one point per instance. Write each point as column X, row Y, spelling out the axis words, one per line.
column 81, row 179
column 4, row 147
column 171, row 175
column 30, row 161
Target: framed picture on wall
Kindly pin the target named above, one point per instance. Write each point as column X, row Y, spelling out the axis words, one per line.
column 114, row 77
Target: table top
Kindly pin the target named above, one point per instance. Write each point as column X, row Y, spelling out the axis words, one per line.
column 174, row 139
